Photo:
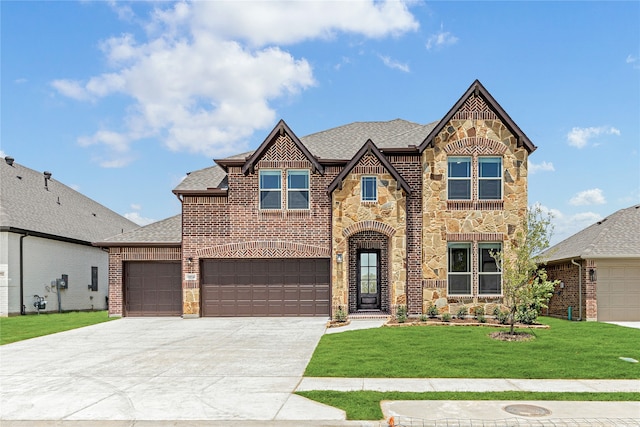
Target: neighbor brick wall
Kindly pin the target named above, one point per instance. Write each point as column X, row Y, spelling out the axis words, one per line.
column 568, row 296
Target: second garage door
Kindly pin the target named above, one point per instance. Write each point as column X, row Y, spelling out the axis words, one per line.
column 265, row 287
column 153, row 289
column 618, row 290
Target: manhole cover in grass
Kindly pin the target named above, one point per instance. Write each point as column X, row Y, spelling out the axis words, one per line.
column 527, row 410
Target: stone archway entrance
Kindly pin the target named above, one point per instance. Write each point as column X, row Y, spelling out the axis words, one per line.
column 368, row 272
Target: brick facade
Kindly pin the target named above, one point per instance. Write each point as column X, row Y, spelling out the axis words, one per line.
column 566, row 294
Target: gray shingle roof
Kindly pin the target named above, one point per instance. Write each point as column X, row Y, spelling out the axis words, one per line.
column 340, row 143
column 25, row 204
column 618, row 235
column 167, row 231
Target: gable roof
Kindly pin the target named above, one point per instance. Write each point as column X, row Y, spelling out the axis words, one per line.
column 369, row 148
column 478, row 89
column 55, row 211
column 616, row 236
column 167, row 232
column 280, row 129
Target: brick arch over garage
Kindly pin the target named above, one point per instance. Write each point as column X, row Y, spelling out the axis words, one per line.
column 264, row 249
column 377, row 226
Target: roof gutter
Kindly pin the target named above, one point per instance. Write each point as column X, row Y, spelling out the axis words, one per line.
column 579, row 289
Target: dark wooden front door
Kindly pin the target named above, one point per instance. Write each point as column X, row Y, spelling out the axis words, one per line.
column 368, row 280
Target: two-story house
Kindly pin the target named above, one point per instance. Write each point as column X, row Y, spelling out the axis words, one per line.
column 365, row 217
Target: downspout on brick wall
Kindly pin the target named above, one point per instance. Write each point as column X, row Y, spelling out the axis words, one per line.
column 22, row 306
column 579, row 289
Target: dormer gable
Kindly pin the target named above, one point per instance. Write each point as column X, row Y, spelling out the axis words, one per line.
column 281, row 129
column 478, row 104
column 369, row 148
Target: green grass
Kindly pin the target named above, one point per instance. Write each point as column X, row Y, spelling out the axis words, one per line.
column 20, row 328
column 566, row 350
column 365, row 405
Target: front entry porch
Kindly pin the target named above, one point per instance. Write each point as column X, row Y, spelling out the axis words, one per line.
column 368, row 273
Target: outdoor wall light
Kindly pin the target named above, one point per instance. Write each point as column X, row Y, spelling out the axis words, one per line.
column 339, row 258
column 189, row 260
column 592, row 275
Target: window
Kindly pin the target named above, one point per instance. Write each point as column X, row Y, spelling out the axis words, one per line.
column 490, row 178
column 297, row 189
column 94, row 279
column 369, row 189
column 270, row 189
column 489, row 275
column 459, row 174
column 459, row 270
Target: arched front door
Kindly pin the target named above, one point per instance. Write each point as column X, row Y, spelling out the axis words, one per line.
column 368, row 272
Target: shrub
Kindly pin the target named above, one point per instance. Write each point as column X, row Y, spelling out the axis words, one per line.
column 423, row 317
column 481, row 318
column 340, row 315
column 401, row 314
column 433, row 311
column 526, row 315
column 496, row 311
column 462, row 312
column 502, row 317
column 479, row 312
column 446, row 317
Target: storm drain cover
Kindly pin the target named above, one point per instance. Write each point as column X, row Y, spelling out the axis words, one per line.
column 527, row 410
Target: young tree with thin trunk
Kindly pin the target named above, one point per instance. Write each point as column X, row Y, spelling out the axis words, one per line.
column 525, row 286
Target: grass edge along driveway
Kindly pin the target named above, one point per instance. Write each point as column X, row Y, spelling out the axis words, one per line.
column 365, row 405
column 18, row 328
column 567, row 350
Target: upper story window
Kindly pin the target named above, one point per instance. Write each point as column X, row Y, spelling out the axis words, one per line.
column 270, row 189
column 297, row 189
column 489, row 178
column 369, row 189
column 464, row 178
column 459, row 173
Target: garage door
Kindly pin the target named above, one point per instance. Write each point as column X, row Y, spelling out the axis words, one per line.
column 153, row 289
column 618, row 290
column 265, row 287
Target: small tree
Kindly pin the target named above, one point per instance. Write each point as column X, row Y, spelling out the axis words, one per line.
column 525, row 286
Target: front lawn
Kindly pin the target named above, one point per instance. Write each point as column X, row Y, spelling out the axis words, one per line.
column 565, row 350
column 365, row 405
column 20, row 328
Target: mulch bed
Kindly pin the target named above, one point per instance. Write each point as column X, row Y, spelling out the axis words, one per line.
column 461, row 322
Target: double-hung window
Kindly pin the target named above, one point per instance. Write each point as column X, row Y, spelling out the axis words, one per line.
column 459, row 271
column 489, row 178
column 297, row 189
column 270, row 189
column 489, row 275
column 459, row 175
column 369, row 189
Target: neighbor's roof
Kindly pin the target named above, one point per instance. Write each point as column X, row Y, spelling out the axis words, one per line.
column 167, row 232
column 55, row 211
column 616, row 236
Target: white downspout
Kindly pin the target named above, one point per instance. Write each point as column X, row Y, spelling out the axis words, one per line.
column 579, row 289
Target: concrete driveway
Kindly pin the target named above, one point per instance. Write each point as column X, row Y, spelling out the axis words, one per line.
column 164, row 369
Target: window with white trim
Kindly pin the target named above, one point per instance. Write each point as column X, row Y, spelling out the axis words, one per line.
column 459, row 178
column 489, row 178
column 459, row 269
column 489, row 273
column 297, row 189
column 369, row 189
column 270, row 189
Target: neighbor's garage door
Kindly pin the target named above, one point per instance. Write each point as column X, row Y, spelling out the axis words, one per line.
column 153, row 289
column 618, row 290
column 265, row 287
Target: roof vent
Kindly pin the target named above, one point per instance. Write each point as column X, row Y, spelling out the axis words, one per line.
column 9, row 160
column 47, row 177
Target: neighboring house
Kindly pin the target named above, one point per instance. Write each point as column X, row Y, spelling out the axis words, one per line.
column 46, row 231
column 365, row 217
column 599, row 270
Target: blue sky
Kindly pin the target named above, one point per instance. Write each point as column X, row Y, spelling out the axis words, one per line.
column 121, row 99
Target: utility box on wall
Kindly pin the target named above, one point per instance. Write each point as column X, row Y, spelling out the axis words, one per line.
column 63, row 283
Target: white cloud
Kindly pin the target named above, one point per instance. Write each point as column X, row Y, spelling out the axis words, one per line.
column 135, row 206
column 3, row 154
column 579, row 137
column 593, row 196
column 394, row 64
column 542, row 167
column 566, row 225
column 205, row 77
column 441, row 39
column 138, row 219
column 634, row 61
column 21, row 80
